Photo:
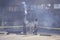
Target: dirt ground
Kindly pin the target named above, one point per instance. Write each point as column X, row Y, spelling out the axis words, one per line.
column 28, row 37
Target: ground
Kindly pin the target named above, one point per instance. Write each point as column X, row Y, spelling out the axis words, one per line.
column 28, row 37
